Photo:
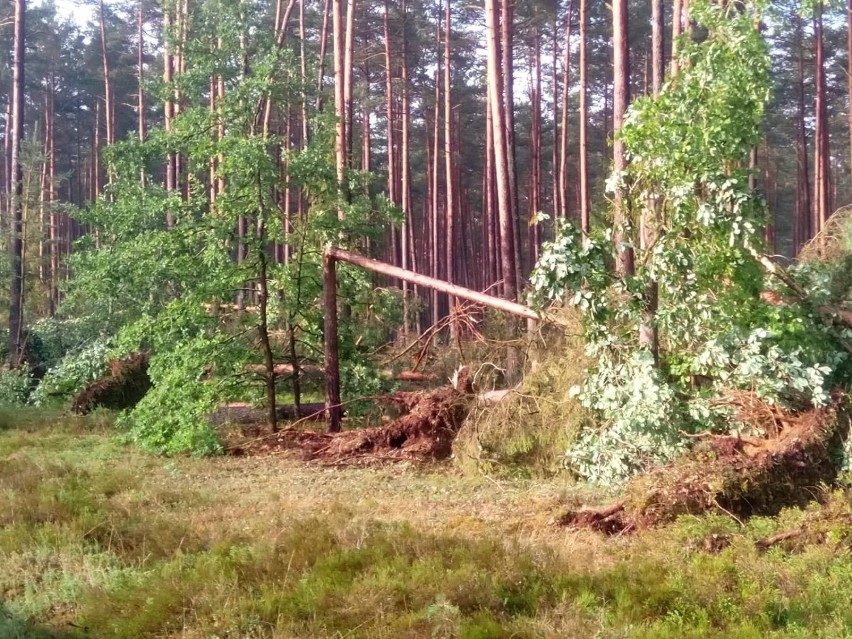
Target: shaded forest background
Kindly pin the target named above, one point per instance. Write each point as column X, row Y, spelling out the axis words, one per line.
column 418, row 99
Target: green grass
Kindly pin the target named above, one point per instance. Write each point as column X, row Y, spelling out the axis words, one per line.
column 100, row 541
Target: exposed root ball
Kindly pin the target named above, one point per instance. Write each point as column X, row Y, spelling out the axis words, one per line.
column 425, row 433
column 739, row 476
column 124, row 387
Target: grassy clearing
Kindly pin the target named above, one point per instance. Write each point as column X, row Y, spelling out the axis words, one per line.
column 100, row 541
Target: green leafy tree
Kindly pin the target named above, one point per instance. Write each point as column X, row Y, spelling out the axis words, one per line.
column 176, row 290
column 689, row 172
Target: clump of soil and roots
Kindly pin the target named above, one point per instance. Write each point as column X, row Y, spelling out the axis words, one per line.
column 742, row 476
column 425, row 432
column 124, row 386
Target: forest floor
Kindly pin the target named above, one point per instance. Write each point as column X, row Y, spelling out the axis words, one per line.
column 98, row 540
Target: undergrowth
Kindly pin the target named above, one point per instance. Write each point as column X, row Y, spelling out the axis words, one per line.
column 99, row 541
column 527, row 432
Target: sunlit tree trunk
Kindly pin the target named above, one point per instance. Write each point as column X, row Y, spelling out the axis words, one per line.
column 849, row 70
column 501, row 156
column 140, row 71
column 535, row 144
column 450, row 178
column 109, row 110
column 821, row 151
column 566, row 86
column 340, row 146
column 677, row 29
column 621, row 98
column 802, row 231
column 585, row 213
column 408, row 252
column 16, row 192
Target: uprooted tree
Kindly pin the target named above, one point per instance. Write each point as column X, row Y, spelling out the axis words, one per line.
column 687, row 186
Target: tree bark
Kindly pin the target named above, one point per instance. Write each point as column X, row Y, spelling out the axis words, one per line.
column 821, row 150
column 621, row 98
column 108, row 100
column 803, row 229
column 566, row 85
column 501, row 158
column 140, row 66
column 849, row 70
column 658, row 63
column 677, row 29
column 333, row 410
column 585, row 206
column 449, row 191
column 16, row 192
column 339, row 100
column 405, row 179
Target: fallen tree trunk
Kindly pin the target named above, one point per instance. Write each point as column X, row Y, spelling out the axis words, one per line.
column 332, row 255
column 311, row 370
column 737, row 476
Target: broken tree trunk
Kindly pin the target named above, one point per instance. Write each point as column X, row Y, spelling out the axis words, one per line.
column 332, row 361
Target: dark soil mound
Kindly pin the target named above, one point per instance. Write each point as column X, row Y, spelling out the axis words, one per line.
column 124, row 387
column 424, row 433
column 742, row 476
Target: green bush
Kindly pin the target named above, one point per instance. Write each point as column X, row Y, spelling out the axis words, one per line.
column 72, row 373
column 15, row 385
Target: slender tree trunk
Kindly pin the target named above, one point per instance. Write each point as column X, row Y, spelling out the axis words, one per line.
column 140, row 65
column 435, row 190
column 649, row 337
column 557, row 199
column 108, row 100
column 506, row 14
column 658, row 63
column 321, row 56
column 677, row 29
column 621, row 98
column 408, row 252
column 340, row 145
column 585, row 206
column 535, row 145
column 821, row 150
column 501, row 156
column 347, row 72
column 492, row 248
column 450, row 202
column 566, row 85
column 849, row 70
column 169, row 107
column 803, row 187
column 16, row 294
column 53, row 213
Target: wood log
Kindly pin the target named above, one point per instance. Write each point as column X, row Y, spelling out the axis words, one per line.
column 312, row 370
column 513, row 308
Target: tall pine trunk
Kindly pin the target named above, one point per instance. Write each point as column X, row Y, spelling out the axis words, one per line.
column 585, row 206
column 16, row 191
column 501, row 157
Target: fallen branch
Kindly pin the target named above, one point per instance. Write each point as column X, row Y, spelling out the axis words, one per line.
column 773, row 540
column 830, row 315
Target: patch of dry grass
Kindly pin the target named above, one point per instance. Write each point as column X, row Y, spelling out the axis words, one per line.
column 98, row 541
